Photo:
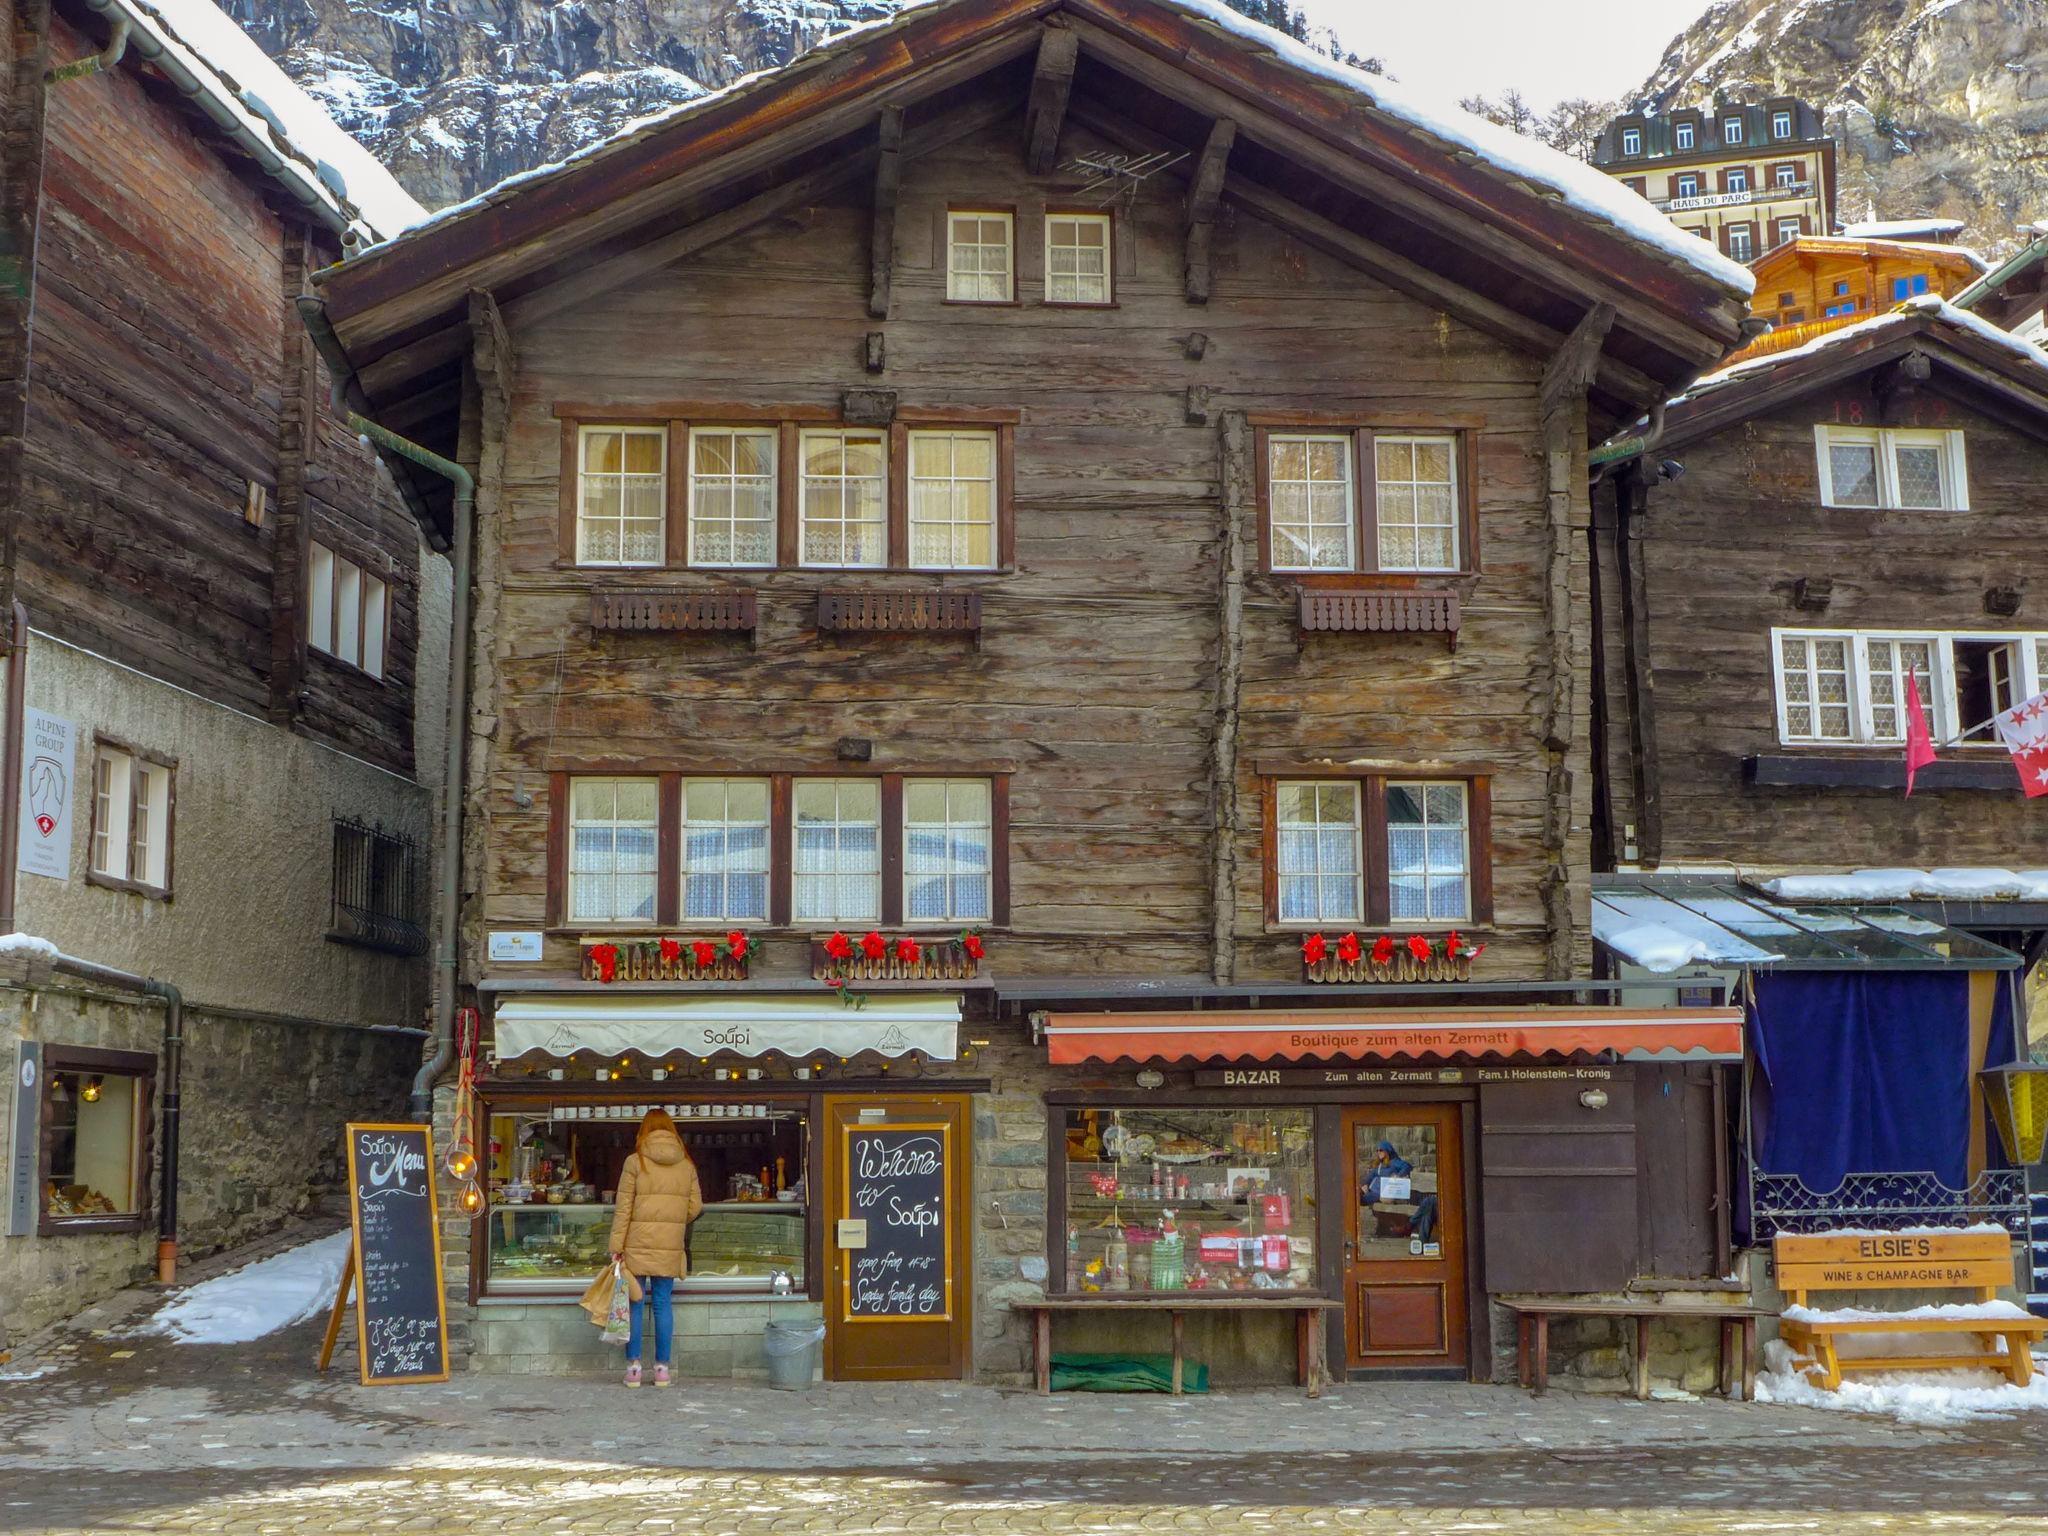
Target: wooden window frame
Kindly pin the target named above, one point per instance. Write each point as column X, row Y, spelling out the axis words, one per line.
column 139, row 1065
column 1677, row 185
column 1790, row 123
column 892, row 478
column 998, row 829
column 365, row 573
column 1944, row 705
column 1372, row 794
column 138, row 758
column 571, row 490
column 1684, row 137
column 1104, row 216
column 681, row 533
column 1628, row 151
column 1739, row 137
column 1365, row 566
column 1955, row 465
column 726, row 920
column 1005, row 211
column 1003, row 459
column 1747, row 229
column 781, row 845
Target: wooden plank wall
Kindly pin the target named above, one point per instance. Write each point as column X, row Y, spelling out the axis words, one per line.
column 1096, row 674
column 1722, row 547
column 163, row 332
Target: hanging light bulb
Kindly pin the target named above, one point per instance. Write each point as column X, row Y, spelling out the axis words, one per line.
column 461, row 1163
column 94, row 1086
column 471, row 1199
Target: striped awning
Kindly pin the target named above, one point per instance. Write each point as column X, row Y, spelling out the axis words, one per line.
column 1385, row 1034
column 556, row 1026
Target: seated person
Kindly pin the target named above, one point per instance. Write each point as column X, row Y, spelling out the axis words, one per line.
column 1387, row 1163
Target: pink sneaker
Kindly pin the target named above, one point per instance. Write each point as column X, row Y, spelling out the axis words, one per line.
column 633, row 1374
column 661, row 1375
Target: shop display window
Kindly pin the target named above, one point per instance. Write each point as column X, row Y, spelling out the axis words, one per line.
column 1163, row 1199
column 554, row 1174
column 93, row 1131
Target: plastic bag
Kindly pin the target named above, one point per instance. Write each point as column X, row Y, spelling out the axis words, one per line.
column 597, row 1300
column 618, row 1322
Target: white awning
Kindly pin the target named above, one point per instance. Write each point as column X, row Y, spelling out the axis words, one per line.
column 726, row 1024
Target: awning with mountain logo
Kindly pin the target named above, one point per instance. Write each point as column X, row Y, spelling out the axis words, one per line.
column 543, row 1025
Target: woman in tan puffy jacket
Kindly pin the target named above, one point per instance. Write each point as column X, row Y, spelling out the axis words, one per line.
column 658, row 1199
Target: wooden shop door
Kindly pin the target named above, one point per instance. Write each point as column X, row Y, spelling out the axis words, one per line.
column 899, row 1281
column 1404, row 1249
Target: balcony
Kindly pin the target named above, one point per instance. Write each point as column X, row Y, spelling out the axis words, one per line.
column 1772, row 194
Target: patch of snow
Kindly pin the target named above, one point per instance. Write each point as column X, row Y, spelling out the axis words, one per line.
column 270, row 1294
column 1654, row 947
column 1975, row 1229
column 1900, row 229
column 1957, row 1311
column 41, row 1370
column 1952, row 884
column 17, row 943
column 1912, row 1397
column 1664, row 936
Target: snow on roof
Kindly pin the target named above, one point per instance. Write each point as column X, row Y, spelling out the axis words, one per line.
column 1925, row 305
column 1579, row 185
column 1899, row 229
column 1662, row 936
column 317, row 160
column 1933, row 248
column 1914, row 885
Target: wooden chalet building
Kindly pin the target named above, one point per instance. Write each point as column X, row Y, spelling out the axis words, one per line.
column 1796, row 536
column 219, row 602
column 1088, row 493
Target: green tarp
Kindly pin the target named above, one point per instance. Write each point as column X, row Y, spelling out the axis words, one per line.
column 1125, row 1373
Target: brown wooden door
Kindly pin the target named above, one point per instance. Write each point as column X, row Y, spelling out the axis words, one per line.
column 1404, row 1250
column 899, row 1279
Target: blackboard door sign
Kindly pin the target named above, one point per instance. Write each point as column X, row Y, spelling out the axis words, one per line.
column 394, row 1262
column 898, row 1183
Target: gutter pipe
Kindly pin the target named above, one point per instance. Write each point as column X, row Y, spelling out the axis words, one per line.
column 106, row 58
column 313, row 311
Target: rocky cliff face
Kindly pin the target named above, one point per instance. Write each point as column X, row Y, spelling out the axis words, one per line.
column 459, row 94
column 1938, row 106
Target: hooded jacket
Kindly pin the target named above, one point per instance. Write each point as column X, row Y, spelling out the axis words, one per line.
column 658, row 1199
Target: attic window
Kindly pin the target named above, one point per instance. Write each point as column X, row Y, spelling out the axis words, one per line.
column 1631, row 142
column 1681, row 136
column 1731, row 131
column 980, row 268
column 1781, row 125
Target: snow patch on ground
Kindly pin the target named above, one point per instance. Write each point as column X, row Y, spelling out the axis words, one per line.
column 270, row 1294
column 1912, row 1397
column 43, row 1370
column 1956, row 1311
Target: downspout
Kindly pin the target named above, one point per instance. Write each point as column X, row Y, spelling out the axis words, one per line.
column 13, row 723
column 314, row 312
column 106, row 58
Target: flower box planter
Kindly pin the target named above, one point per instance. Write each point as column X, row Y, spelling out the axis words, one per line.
column 939, row 960
column 641, row 960
column 1403, row 967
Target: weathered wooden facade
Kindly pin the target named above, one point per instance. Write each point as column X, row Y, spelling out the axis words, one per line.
column 1262, row 473
column 221, row 791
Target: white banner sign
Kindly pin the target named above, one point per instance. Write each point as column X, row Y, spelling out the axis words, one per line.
column 49, row 785
column 654, row 1027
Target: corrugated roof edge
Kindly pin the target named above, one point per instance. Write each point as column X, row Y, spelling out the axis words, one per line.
column 1588, row 192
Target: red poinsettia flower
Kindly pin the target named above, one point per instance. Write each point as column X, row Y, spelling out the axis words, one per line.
column 1313, row 949
column 671, row 951
column 606, row 958
column 1418, row 946
column 1383, row 950
column 873, row 945
column 835, row 981
column 971, row 942
column 1454, row 944
column 907, row 950
column 1347, row 949
column 839, row 947
column 704, row 952
column 736, row 944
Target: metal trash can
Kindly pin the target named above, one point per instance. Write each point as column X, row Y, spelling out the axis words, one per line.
column 793, row 1350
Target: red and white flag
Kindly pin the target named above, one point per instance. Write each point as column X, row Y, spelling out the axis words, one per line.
column 2024, row 730
column 1919, row 739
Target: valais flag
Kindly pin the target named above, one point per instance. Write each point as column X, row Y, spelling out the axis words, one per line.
column 2024, row 730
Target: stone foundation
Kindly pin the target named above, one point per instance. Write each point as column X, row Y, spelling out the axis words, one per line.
column 718, row 1339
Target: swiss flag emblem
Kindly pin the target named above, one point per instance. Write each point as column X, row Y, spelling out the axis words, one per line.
column 44, row 824
column 2024, row 730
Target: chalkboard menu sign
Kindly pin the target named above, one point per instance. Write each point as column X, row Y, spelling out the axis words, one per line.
column 896, row 1183
column 401, row 1312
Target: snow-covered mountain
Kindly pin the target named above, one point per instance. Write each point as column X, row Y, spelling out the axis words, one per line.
column 1939, row 106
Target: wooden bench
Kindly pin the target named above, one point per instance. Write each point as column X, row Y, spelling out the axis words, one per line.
column 1737, row 1368
column 1979, row 1263
column 1310, row 1326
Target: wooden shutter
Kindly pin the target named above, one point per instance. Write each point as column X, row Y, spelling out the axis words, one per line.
column 1549, row 1165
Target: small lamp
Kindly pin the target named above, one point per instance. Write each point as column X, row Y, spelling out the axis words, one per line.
column 2018, row 1095
column 94, row 1087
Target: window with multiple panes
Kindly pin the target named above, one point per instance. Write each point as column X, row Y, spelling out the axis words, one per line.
column 1741, row 243
column 837, row 870
column 1681, row 137
column 1078, row 262
column 725, row 850
column 1786, row 176
column 1415, row 502
column 1848, row 687
column 844, row 508
column 97, row 1107
column 1687, row 185
column 733, row 504
column 1408, row 516
column 1738, row 178
column 347, row 610
column 1781, row 125
column 613, row 841
column 952, row 513
column 1892, row 467
column 980, row 267
column 1313, row 508
column 621, row 495
column 131, row 819
column 1631, row 141
column 1731, row 131
column 1907, row 287
column 1351, row 851
column 948, row 832
column 1788, row 231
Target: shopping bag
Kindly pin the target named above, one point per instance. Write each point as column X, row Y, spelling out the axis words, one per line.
column 597, row 1301
column 618, row 1322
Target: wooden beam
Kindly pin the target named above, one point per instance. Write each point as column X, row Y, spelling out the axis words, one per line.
column 1205, row 194
column 22, row 150
column 1575, row 364
column 491, row 351
column 1052, row 82
column 882, row 231
column 291, row 535
column 421, row 355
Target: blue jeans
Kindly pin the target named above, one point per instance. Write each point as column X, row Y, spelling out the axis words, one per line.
column 656, row 1291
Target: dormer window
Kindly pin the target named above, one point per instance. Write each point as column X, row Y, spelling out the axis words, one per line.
column 1681, row 136
column 1781, row 125
column 1731, row 131
column 1631, row 142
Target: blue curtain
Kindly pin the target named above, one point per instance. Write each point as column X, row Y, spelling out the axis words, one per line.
column 1862, row 1073
column 2001, row 1047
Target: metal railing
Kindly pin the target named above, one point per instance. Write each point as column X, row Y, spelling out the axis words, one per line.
column 1782, row 1202
column 376, row 890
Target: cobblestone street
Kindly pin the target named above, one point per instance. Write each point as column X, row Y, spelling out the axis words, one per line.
column 125, row 1434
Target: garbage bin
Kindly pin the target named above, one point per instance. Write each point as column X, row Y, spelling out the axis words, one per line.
column 793, row 1353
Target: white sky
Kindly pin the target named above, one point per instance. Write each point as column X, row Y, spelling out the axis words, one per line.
column 1546, row 49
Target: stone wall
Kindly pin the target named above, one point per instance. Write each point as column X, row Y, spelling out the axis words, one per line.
column 264, row 1104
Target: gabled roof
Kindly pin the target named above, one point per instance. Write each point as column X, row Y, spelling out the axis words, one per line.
column 1475, row 220
column 1927, row 228
column 1953, row 258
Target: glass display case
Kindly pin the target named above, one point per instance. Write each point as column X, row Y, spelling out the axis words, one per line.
column 544, row 1247
column 748, row 1246
column 1163, row 1199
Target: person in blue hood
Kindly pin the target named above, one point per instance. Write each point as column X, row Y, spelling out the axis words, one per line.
column 1389, row 1164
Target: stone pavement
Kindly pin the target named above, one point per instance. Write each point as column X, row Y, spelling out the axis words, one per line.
column 133, row 1434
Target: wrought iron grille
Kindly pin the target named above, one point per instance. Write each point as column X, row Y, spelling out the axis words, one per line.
column 1783, row 1203
column 376, row 890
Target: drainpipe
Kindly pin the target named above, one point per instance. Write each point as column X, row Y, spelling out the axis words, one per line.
column 314, row 312
column 106, row 58
column 12, row 723
column 174, row 1061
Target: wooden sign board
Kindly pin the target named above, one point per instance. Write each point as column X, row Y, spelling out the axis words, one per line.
column 896, row 1184
column 1885, row 1260
column 394, row 1262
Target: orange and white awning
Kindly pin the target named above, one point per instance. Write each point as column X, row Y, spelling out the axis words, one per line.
column 1383, row 1034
